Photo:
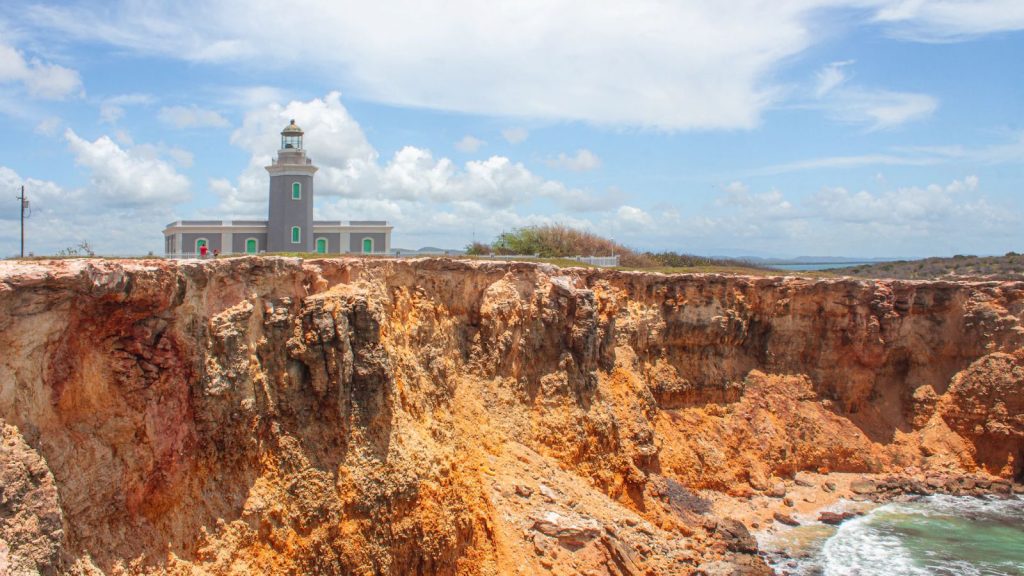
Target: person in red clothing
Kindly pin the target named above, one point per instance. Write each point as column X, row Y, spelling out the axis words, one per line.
column 202, row 251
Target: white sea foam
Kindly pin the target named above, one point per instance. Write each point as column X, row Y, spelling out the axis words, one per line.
column 876, row 544
column 860, row 549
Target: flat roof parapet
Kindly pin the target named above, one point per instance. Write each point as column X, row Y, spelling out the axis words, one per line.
column 250, row 223
column 217, row 223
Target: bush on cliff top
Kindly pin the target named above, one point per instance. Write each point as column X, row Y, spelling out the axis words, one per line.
column 559, row 241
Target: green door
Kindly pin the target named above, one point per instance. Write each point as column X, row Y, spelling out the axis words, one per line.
column 321, row 245
column 200, row 243
column 367, row 245
column 250, row 246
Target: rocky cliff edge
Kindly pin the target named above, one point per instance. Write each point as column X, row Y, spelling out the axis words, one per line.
column 361, row 416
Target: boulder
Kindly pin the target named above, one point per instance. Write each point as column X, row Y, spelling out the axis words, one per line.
column 736, row 536
column 572, row 531
column 785, row 519
column 524, row 491
column 863, row 486
column 835, row 518
column 1001, row 486
column 803, row 479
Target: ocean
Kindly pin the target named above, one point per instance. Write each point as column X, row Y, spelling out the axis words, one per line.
column 817, row 266
column 935, row 535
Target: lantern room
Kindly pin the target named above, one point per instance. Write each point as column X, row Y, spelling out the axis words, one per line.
column 291, row 137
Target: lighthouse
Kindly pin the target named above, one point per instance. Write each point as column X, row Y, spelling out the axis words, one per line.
column 290, row 213
column 289, row 227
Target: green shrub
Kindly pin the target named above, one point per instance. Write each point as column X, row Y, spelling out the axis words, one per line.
column 559, row 241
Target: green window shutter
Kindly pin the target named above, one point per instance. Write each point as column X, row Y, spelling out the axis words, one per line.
column 296, row 191
column 296, row 235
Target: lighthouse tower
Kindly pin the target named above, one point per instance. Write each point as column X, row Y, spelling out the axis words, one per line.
column 290, row 215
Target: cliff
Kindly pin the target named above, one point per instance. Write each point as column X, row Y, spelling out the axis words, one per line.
column 360, row 416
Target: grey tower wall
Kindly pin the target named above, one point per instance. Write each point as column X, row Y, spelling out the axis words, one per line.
column 285, row 212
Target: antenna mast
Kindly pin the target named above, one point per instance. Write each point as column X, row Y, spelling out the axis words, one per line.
column 24, row 204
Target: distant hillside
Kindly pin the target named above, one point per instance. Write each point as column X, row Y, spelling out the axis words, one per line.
column 1007, row 267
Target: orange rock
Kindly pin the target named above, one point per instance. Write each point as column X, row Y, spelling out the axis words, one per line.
column 359, row 415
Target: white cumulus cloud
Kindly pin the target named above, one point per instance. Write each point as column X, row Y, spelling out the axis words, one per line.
column 633, row 216
column 113, row 109
column 515, row 135
column 424, row 195
column 40, row 79
column 182, row 117
column 581, row 161
column 931, row 219
column 469, row 144
column 62, row 217
column 49, row 126
column 131, row 177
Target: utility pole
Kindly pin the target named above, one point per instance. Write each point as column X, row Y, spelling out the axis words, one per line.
column 24, row 204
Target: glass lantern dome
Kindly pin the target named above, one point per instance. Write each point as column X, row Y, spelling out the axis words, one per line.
column 291, row 137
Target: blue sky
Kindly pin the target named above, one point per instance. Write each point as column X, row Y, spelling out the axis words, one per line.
column 786, row 128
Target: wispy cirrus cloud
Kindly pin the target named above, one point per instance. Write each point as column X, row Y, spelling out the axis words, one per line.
column 532, row 58
column 949, row 20
column 1011, row 151
column 877, row 109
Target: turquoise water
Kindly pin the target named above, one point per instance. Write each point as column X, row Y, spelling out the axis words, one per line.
column 937, row 535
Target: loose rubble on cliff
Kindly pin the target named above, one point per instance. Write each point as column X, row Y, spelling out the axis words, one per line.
column 370, row 416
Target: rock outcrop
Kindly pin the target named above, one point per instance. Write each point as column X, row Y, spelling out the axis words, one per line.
column 360, row 416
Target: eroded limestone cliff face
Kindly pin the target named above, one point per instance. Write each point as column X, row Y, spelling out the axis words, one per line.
column 359, row 416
